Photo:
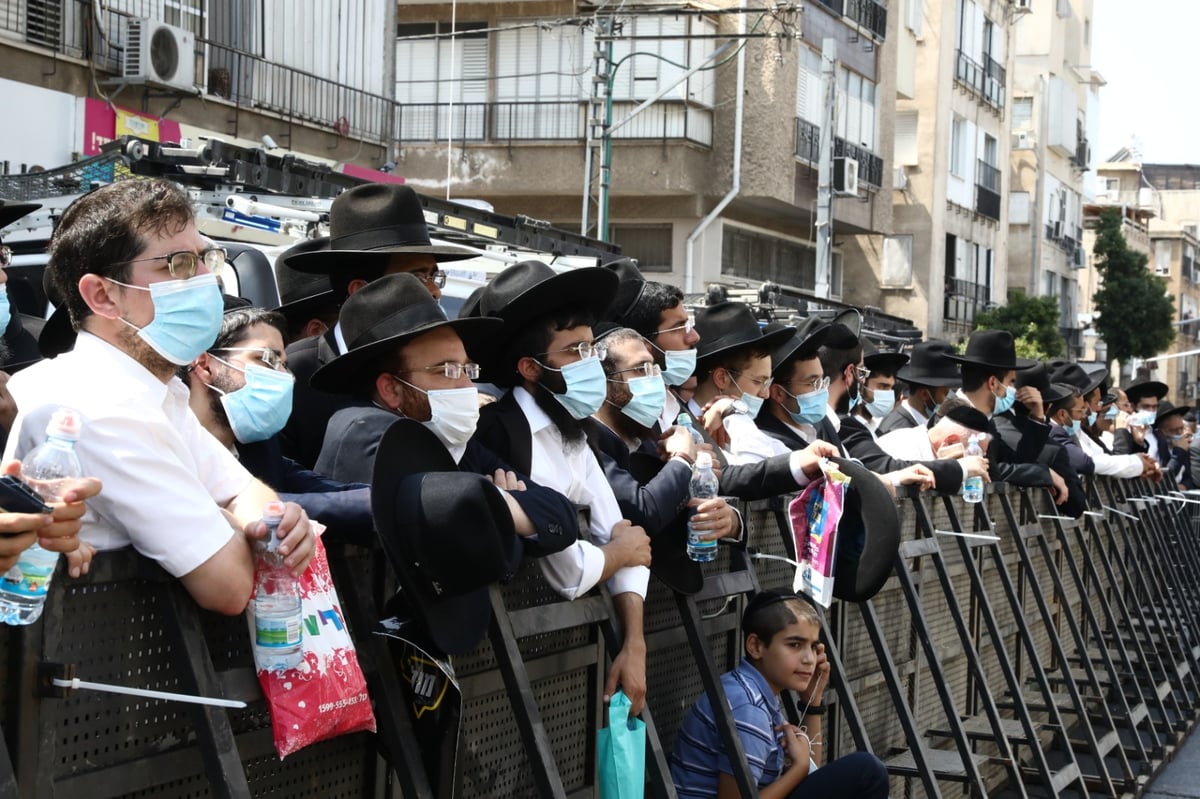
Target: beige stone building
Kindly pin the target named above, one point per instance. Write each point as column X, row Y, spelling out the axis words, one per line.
column 503, row 114
column 1054, row 119
column 948, row 256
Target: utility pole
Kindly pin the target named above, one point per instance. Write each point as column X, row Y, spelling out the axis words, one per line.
column 597, row 122
column 825, row 168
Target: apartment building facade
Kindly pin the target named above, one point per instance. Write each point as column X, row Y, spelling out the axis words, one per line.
column 1054, row 120
column 947, row 258
column 500, row 104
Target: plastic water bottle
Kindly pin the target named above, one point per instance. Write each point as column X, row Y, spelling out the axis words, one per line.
column 278, row 611
column 973, row 486
column 703, row 486
column 46, row 468
column 685, row 422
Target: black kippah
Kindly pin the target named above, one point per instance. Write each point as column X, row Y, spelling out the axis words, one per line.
column 969, row 418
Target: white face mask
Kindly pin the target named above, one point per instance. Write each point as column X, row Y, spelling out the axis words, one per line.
column 454, row 415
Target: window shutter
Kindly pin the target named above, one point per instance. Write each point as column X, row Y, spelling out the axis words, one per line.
column 906, row 138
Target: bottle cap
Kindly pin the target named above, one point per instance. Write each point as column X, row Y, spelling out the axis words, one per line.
column 273, row 510
column 64, row 423
column 703, row 460
column 684, row 420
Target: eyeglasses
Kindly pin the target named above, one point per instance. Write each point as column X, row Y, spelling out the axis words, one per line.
column 814, row 383
column 585, row 350
column 759, row 382
column 183, row 264
column 272, row 359
column 451, row 370
column 862, row 372
column 686, row 327
column 435, row 278
column 5, row 256
column 650, row 369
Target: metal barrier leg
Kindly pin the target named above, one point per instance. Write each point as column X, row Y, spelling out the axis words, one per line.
column 8, row 779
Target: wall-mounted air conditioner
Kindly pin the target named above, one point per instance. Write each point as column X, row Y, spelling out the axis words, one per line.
column 845, row 177
column 160, row 54
column 899, row 178
column 1023, row 6
column 1023, row 140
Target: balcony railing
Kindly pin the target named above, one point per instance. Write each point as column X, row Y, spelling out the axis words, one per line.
column 808, row 148
column 987, row 190
column 985, row 81
column 964, row 299
column 868, row 15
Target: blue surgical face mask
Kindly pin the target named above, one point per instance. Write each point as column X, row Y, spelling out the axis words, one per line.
column 5, row 309
column 1112, row 412
column 187, row 317
column 649, row 398
column 1092, row 417
column 1005, row 402
column 680, row 364
column 811, row 407
column 587, row 387
column 1074, row 427
column 883, row 403
column 259, row 409
column 753, row 402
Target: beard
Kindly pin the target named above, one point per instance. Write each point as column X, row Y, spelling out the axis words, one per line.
column 144, row 354
column 571, row 429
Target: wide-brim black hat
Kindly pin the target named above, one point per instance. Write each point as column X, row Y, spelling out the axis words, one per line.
column 629, row 289
column 528, row 290
column 994, row 349
column 729, row 326
column 883, row 361
column 1037, row 376
column 1058, row 392
column 373, row 222
column 868, row 535
column 1166, row 410
column 929, row 365
column 1145, row 388
column 1075, row 375
column 386, row 313
column 804, row 341
column 448, row 534
column 11, row 211
column 302, row 293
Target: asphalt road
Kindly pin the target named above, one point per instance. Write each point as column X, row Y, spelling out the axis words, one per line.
column 1181, row 778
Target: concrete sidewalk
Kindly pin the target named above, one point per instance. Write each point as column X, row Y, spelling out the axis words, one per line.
column 1181, row 778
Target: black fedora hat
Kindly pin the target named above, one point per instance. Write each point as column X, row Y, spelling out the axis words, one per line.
column 804, row 341
column 1166, row 410
column 930, row 366
column 868, row 535
column 384, row 314
column 1075, row 375
column 11, row 211
column 302, row 293
column 448, row 534
column 729, row 326
column 992, row 348
column 1038, row 376
column 1145, row 388
column 531, row 289
column 629, row 289
column 373, row 222
column 883, row 361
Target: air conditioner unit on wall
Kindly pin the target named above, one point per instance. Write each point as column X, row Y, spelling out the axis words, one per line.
column 845, row 177
column 1023, row 140
column 1023, row 6
column 899, row 178
column 160, row 54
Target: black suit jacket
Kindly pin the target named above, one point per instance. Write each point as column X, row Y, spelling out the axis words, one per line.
column 1081, row 464
column 897, row 419
column 304, row 433
column 1011, row 432
column 861, row 445
column 345, row 508
column 1124, row 444
column 352, row 442
column 650, row 493
column 1003, row 465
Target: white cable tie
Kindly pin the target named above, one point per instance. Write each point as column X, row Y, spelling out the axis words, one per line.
column 764, row 556
column 983, row 536
column 76, row 684
column 1094, row 513
column 1121, row 513
column 1055, row 516
column 1184, row 500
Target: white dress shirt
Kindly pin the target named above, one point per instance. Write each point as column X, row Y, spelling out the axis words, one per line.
column 1107, row 464
column 749, row 444
column 908, row 444
column 165, row 477
column 573, row 471
column 342, row 349
column 921, row 419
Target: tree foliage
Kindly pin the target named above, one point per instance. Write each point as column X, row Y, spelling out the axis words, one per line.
column 1033, row 321
column 1135, row 311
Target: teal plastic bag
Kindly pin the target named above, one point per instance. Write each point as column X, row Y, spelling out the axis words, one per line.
column 621, row 752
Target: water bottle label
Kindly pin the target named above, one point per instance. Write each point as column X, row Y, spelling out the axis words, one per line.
column 30, row 578
column 276, row 633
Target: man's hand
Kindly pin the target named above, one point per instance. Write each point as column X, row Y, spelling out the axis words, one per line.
column 629, row 544
column 678, row 441
column 714, row 420
column 506, row 480
column 715, row 517
column 977, row 466
column 1138, row 432
column 1058, row 488
column 57, row 531
column 1149, row 465
column 915, row 475
column 810, row 457
column 297, row 541
column 1031, row 398
column 628, row 671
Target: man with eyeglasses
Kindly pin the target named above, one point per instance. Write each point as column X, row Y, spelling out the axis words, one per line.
column 549, row 360
column 241, row 391
column 374, row 230
column 137, row 279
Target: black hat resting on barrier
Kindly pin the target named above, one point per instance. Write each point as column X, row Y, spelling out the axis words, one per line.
column 448, row 534
column 868, row 535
